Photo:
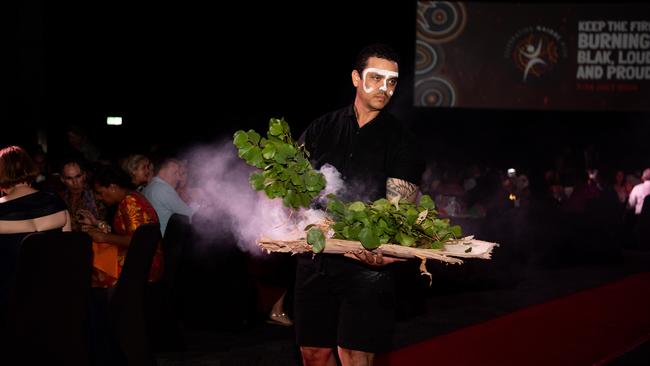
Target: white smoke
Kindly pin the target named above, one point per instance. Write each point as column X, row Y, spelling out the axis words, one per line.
column 334, row 180
column 229, row 205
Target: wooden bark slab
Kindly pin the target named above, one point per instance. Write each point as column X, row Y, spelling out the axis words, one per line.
column 461, row 248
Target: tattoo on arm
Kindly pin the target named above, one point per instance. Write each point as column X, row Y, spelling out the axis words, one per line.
column 406, row 190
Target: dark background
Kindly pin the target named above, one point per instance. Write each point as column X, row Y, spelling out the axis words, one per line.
column 187, row 72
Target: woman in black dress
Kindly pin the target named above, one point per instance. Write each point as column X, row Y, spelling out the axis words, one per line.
column 23, row 210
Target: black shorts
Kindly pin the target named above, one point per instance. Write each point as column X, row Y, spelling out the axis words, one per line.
column 341, row 302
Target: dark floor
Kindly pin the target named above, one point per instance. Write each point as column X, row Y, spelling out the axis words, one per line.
column 638, row 356
column 459, row 296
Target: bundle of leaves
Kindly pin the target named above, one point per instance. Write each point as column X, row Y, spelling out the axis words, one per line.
column 286, row 171
column 382, row 222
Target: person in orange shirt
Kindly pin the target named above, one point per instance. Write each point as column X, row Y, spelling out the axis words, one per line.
column 110, row 245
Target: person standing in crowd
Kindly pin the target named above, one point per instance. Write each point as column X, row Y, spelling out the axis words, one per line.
column 619, row 186
column 77, row 195
column 161, row 193
column 349, row 302
column 23, row 210
column 639, row 192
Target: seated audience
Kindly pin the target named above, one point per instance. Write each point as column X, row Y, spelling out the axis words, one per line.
column 77, row 195
column 140, row 169
column 161, row 192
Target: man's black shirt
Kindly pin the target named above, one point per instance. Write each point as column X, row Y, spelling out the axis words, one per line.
column 366, row 156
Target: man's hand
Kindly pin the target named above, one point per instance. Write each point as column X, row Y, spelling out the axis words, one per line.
column 372, row 258
column 85, row 217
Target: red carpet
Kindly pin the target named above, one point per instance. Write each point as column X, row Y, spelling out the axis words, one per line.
column 587, row 328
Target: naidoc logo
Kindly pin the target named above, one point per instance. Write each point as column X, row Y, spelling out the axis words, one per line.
column 535, row 51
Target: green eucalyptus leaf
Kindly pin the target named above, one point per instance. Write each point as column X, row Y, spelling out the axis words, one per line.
column 291, row 200
column 284, row 152
column 381, row 205
column 456, row 231
column 313, row 181
column 303, row 165
column 240, row 139
column 355, row 230
column 411, row 215
column 295, row 178
column 285, row 127
column 305, row 199
column 426, row 202
column 316, row 239
column 257, row 181
column 336, row 207
column 346, row 232
column 357, row 206
column 275, row 127
column 279, row 189
column 253, row 156
column 444, row 234
column 368, row 238
column 269, row 151
column 254, row 137
column 338, row 226
column 406, row 239
column 360, row 215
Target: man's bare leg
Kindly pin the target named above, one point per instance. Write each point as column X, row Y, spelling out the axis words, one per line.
column 351, row 357
column 316, row 356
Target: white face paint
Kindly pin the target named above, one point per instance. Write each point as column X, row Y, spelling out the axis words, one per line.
column 385, row 74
